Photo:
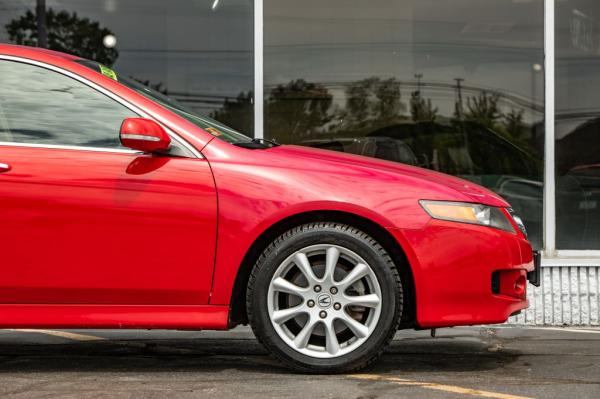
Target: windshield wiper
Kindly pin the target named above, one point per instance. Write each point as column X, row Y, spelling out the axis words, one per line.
column 257, row 144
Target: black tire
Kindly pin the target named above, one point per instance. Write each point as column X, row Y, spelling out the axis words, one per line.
column 325, row 233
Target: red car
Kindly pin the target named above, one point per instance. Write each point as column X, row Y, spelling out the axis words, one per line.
column 123, row 209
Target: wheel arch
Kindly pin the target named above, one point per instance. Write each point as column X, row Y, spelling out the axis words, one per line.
column 238, row 315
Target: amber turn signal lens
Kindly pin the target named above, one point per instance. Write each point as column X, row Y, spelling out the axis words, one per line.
column 465, row 212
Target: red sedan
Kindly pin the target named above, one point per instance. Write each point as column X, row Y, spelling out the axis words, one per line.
column 123, row 209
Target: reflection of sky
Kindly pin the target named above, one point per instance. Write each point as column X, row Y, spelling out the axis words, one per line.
column 185, row 45
column 207, row 54
column 577, row 64
column 577, row 82
column 43, row 107
column 491, row 44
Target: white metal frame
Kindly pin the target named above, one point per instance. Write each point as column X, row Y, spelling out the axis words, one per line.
column 551, row 256
column 258, row 70
column 549, row 170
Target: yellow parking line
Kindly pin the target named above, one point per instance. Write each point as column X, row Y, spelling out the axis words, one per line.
column 438, row 387
column 61, row 334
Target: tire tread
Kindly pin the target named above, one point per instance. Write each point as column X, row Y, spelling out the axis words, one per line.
column 319, row 226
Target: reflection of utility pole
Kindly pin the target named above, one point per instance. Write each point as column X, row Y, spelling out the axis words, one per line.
column 535, row 70
column 459, row 104
column 459, row 114
column 42, row 31
column 418, row 76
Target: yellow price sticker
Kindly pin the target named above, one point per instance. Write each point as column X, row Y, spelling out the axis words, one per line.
column 106, row 71
column 213, row 131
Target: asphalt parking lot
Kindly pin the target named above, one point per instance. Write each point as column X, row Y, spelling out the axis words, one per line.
column 505, row 363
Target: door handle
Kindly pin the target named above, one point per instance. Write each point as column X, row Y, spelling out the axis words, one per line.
column 4, row 167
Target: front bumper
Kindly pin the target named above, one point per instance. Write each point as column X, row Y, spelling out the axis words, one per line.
column 453, row 265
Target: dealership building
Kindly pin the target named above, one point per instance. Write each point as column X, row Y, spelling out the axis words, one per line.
column 504, row 93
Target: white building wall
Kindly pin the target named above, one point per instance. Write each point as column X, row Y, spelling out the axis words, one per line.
column 567, row 296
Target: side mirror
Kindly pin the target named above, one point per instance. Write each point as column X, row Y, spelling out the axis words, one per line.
column 144, row 135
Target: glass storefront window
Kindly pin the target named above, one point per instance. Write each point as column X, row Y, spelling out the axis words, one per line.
column 577, row 134
column 199, row 52
column 455, row 86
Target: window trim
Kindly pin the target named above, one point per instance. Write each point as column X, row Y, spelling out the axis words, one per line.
column 94, row 86
column 69, row 147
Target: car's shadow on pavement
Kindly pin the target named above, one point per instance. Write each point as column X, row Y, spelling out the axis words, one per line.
column 212, row 355
column 443, row 355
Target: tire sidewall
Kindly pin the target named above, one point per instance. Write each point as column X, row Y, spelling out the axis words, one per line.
column 346, row 237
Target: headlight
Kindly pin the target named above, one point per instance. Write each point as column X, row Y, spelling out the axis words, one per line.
column 518, row 221
column 465, row 212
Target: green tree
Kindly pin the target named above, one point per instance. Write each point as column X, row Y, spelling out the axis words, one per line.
column 388, row 104
column 514, row 123
column 67, row 32
column 296, row 110
column 483, row 109
column 358, row 99
column 237, row 113
column 374, row 98
column 422, row 110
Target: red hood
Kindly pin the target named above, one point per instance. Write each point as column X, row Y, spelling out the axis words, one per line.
column 471, row 190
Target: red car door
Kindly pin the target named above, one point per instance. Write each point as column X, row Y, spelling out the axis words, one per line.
column 85, row 221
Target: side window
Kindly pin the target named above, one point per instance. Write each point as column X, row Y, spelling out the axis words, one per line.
column 41, row 106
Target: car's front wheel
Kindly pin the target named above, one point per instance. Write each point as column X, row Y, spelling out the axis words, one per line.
column 324, row 297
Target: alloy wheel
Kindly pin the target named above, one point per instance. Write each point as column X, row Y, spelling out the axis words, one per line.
column 324, row 301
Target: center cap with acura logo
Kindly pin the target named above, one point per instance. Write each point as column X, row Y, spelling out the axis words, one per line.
column 324, row 301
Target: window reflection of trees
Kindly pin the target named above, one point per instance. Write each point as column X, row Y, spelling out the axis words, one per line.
column 300, row 111
column 66, row 32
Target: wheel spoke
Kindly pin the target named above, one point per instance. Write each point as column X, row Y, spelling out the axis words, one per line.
column 282, row 285
column 331, row 260
column 359, row 271
column 331, row 341
column 301, row 340
column 368, row 301
column 301, row 260
column 358, row 329
column 283, row 315
column 312, row 274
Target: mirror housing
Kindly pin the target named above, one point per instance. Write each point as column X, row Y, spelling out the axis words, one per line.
column 144, row 135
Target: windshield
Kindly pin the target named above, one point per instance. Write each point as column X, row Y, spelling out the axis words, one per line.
column 208, row 124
